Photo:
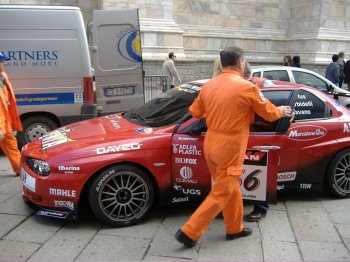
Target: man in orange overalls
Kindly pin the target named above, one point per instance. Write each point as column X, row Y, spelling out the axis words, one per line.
column 228, row 102
column 9, row 119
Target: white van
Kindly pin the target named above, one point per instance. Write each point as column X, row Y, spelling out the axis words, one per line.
column 51, row 70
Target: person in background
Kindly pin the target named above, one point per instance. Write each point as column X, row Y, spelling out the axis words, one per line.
column 217, row 67
column 341, row 64
column 9, row 119
column 170, row 70
column 228, row 102
column 287, row 60
column 333, row 70
column 296, row 61
column 347, row 73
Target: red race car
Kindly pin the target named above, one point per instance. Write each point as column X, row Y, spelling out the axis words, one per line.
column 122, row 163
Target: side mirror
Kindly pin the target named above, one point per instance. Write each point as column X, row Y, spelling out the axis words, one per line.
column 330, row 88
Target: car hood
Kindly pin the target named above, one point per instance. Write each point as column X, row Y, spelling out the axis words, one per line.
column 104, row 135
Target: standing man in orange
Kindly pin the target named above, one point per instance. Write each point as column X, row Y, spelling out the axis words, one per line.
column 9, row 119
column 228, row 102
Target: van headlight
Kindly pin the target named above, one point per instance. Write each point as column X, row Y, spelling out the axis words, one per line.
column 40, row 167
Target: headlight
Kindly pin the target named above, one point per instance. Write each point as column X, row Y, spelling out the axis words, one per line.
column 39, row 166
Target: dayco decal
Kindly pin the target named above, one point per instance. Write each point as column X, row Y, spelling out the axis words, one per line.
column 62, row 192
column 346, row 128
column 305, row 133
column 118, row 148
column 55, row 138
column 68, row 169
column 186, row 150
column 187, row 191
column 286, row 176
column 254, row 156
column 191, row 161
column 186, row 176
column 62, row 203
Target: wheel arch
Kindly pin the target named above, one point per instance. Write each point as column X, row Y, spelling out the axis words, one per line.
column 87, row 185
column 49, row 115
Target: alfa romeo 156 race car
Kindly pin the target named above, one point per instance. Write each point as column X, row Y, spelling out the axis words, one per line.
column 122, row 163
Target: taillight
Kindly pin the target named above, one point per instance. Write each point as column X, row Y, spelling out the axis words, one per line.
column 88, row 91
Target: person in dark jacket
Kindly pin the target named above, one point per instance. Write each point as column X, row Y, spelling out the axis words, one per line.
column 333, row 70
column 347, row 73
column 296, row 61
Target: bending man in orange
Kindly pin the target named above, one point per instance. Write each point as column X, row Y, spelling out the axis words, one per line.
column 9, row 119
column 228, row 102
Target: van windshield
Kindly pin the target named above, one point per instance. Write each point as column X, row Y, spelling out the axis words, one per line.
column 166, row 109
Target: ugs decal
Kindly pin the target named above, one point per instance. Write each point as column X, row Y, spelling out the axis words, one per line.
column 187, row 191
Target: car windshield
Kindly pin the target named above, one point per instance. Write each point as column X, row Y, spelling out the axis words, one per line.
column 166, row 109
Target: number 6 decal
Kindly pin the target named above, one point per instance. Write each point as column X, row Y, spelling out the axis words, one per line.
column 251, row 182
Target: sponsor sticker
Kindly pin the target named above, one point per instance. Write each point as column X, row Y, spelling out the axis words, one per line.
column 187, row 191
column 186, row 174
column 62, row 192
column 191, row 161
column 55, row 138
column 144, row 130
column 27, row 180
column 306, row 133
column 65, row 204
column 69, row 169
column 346, row 128
column 186, row 138
column 118, row 148
column 305, row 186
column 52, row 213
column 180, row 199
column 186, row 150
column 286, row 176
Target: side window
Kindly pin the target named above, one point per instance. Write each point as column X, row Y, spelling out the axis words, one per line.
column 307, row 107
column 278, row 98
column 309, row 80
column 256, row 74
column 281, row 75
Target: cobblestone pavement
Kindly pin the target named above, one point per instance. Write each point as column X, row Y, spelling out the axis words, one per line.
column 302, row 227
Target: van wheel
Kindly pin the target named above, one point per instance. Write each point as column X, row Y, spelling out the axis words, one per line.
column 35, row 127
column 121, row 195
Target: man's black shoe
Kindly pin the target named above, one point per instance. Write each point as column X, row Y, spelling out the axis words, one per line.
column 254, row 216
column 182, row 238
column 244, row 233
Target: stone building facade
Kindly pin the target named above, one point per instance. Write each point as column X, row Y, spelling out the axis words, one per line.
column 196, row 30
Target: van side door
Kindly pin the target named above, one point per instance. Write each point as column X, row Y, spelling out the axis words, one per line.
column 115, row 49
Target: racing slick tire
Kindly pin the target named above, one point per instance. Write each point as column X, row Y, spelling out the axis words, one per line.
column 121, row 196
column 338, row 175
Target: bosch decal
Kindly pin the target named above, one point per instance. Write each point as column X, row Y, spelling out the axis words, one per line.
column 118, row 148
column 306, row 133
column 286, row 176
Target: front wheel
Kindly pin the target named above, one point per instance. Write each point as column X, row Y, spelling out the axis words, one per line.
column 121, row 195
column 338, row 175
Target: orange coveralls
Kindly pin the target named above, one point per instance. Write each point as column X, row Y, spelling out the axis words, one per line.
column 228, row 102
column 9, row 121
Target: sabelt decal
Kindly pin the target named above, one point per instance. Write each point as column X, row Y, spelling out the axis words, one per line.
column 118, row 148
column 305, row 133
column 346, row 128
column 180, row 199
column 286, row 176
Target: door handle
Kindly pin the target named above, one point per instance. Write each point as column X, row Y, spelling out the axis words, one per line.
column 267, row 147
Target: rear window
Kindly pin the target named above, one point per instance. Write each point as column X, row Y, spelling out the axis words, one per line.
column 281, row 75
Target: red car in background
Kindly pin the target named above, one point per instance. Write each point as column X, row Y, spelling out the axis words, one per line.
column 123, row 162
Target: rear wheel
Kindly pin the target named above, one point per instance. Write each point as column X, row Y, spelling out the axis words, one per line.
column 35, row 127
column 121, row 195
column 338, row 174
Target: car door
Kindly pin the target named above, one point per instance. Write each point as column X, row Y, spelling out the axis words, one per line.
column 190, row 174
column 310, row 139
